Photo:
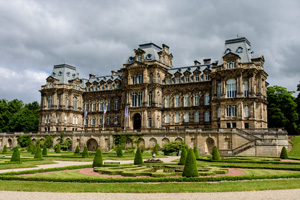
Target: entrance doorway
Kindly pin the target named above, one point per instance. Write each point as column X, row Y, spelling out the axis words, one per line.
column 137, row 121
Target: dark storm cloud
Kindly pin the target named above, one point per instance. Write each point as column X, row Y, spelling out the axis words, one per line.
column 97, row 36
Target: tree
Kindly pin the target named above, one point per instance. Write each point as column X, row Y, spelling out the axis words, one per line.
column 119, row 151
column 16, row 155
column 77, row 151
column 155, row 149
column 62, row 134
column 196, row 152
column 29, row 149
column 284, row 153
column 33, row 149
column 183, row 157
column 24, row 140
column 85, row 153
column 4, row 150
column 282, row 109
column 45, row 152
column 138, row 159
column 215, row 154
column 48, row 141
column 38, row 153
column 65, row 145
column 190, row 167
column 57, row 149
column 98, row 160
column 173, row 147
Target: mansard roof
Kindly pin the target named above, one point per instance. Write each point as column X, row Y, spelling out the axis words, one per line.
column 151, row 52
column 190, row 69
column 64, row 73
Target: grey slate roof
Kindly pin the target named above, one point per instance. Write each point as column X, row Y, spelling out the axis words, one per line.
column 150, row 49
column 190, row 69
column 105, row 78
column 64, row 73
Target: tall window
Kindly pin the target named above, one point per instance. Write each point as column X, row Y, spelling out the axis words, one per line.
column 206, row 99
column 228, row 65
column 94, row 106
column 246, row 111
column 134, row 99
column 196, row 117
column 186, row 100
column 207, row 77
column 176, row 117
column 233, row 64
column 234, row 111
column 158, row 78
column 196, row 100
column 87, row 106
column 101, row 105
column 116, row 120
column 66, row 103
column 177, row 79
column 206, row 116
column 149, row 122
column 140, row 100
column 65, row 118
column 150, row 99
column 134, row 79
column 58, row 102
column 231, row 88
column 49, row 102
column 86, row 121
column 246, row 89
column 219, row 112
column 108, row 106
column 219, row 91
column 197, row 77
column 167, row 118
column 101, row 120
column 140, row 58
column 93, row 121
column 168, row 80
column 140, row 78
column 158, row 98
column 109, row 86
column 150, row 78
column 187, row 79
column 116, row 105
column 168, row 102
column 107, row 120
column 177, row 101
column 186, row 117
column 228, row 111
column 49, row 119
column 231, row 111
column 74, row 103
column 57, row 118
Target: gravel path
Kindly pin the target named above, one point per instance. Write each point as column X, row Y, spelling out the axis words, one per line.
column 257, row 195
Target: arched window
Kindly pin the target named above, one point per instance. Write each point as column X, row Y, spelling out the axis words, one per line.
column 168, row 102
column 49, row 102
column 186, row 100
column 177, row 101
column 219, row 112
column 231, row 88
column 186, row 117
column 167, row 118
column 196, row 100
column 75, row 103
column 206, row 116
column 196, row 117
column 176, row 118
column 246, row 111
column 206, row 99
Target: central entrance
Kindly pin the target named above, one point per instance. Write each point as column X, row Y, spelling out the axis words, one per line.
column 137, row 121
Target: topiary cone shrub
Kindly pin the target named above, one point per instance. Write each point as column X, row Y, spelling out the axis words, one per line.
column 45, row 152
column 98, row 160
column 155, row 149
column 119, row 151
column 85, row 153
column 196, row 152
column 38, row 153
column 284, row 153
column 190, row 167
column 77, row 151
column 138, row 159
column 215, row 154
column 4, row 150
column 183, row 157
column 57, row 150
column 16, row 155
column 29, row 149
column 33, row 149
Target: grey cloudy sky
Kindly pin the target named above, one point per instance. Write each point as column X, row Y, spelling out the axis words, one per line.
column 97, row 36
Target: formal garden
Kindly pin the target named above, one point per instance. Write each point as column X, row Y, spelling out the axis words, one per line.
column 138, row 170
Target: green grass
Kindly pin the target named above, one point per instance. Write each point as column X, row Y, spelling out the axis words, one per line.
column 295, row 152
column 259, row 172
column 64, row 174
column 28, row 164
column 149, row 187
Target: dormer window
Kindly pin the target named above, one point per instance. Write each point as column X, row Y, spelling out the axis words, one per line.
column 134, row 79
column 74, row 75
column 130, row 59
column 207, row 77
column 148, row 57
column 197, row 77
column 59, row 73
column 68, row 74
column 139, row 58
column 239, row 50
column 177, row 80
column 187, row 79
column 169, row 80
column 227, row 51
column 53, row 74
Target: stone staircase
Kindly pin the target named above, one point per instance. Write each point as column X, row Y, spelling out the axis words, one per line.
column 243, row 147
column 248, row 136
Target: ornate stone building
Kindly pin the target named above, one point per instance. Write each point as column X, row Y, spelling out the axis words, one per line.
column 219, row 103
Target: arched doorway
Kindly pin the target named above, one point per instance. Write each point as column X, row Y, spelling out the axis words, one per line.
column 165, row 141
column 137, row 121
column 209, row 144
column 92, row 145
column 178, row 140
column 152, row 142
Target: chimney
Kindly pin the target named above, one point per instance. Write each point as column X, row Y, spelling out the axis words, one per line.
column 196, row 62
column 92, row 75
column 206, row 61
column 114, row 72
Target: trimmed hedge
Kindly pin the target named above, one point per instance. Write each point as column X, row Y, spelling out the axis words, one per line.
column 190, row 167
column 284, row 153
column 85, row 153
column 45, row 152
column 98, row 160
column 29, row 148
column 57, row 150
column 77, row 151
column 33, row 149
column 16, row 155
column 38, row 153
column 215, row 154
column 119, row 151
column 138, row 159
column 183, row 157
column 4, row 150
column 196, row 152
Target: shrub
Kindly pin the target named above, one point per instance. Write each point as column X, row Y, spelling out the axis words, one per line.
column 4, row 150
column 77, row 151
column 284, row 154
column 215, row 154
column 142, row 149
column 156, row 149
column 138, row 159
column 183, row 157
column 33, row 149
column 190, row 167
column 65, row 145
column 173, row 147
column 49, row 141
column 85, row 153
column 16, row 155
column 57, row 148
column 119, row 151
column 98, row 160
column 29, row 149
column 45, row 152
column 196, row 153
column 24, row 140
column 38, row 153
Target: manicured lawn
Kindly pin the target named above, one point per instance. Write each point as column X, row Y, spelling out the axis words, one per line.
column 295, row 152
column 25, row 164
column 149, row 187
column 260, row 172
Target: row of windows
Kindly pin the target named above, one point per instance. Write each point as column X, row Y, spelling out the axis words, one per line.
column 101, row 106
column 75, row 102
column 100, row 122
column 231, row 111
column 187, row 117
column 107, row 86
column 48, row 119
column 187, row 79
column 232, row 89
